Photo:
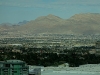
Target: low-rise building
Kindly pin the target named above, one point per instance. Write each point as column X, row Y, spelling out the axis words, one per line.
column 35, row 70
column 13, row 67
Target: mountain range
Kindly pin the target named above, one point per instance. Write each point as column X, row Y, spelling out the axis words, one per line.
column 84, row 23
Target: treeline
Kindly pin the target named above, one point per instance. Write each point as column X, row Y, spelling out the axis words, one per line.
column 74, row 58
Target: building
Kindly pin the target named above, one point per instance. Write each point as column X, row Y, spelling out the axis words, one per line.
column 98, row 44
column 13, row 67
column 35, row 70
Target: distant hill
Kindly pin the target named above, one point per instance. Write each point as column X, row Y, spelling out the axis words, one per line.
column 88, row 23
column 23, row 22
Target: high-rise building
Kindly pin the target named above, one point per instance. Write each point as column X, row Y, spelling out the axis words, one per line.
column 13, row 67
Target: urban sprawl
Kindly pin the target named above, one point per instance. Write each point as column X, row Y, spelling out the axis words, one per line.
column 52, row 49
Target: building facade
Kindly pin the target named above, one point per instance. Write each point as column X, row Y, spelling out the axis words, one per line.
column 13, row 67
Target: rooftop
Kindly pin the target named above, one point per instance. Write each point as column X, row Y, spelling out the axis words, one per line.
column 12, row 62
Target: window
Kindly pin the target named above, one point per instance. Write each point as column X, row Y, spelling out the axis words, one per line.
column 7, row 65
column 24, row 69
column 14, row 71
column 5, row 70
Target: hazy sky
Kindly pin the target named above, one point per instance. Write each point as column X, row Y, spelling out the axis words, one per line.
column 14, row 11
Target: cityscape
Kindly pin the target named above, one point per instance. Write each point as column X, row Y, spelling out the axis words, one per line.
column 49, row 37
column 50, row 50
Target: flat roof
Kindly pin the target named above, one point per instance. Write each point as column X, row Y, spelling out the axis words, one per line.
column 12, row 62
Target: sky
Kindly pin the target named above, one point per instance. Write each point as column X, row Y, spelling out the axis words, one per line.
column 14, row 11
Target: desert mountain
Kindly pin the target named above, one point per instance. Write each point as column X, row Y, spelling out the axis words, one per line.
column 44, row 24
column 23, row 22
column 88, row 23
column 85, row 23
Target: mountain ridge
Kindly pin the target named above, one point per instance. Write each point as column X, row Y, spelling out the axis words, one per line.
column 87, row 23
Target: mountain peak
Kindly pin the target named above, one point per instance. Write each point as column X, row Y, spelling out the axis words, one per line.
column 48, row 17
column 53, row 16
column 86, row 16
column 23, row 22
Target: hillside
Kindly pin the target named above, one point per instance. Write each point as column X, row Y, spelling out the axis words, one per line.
column 88, row 23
